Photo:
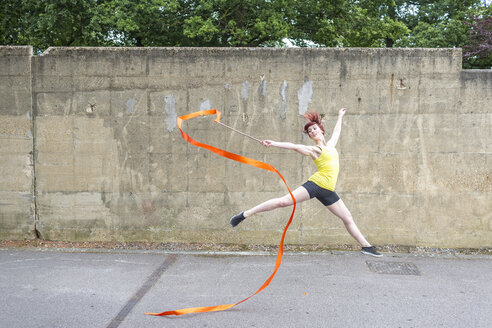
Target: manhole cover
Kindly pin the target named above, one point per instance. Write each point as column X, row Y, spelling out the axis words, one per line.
column 402, row 268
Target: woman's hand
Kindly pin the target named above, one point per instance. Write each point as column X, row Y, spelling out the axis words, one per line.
column 267, row 143
column 342, row 111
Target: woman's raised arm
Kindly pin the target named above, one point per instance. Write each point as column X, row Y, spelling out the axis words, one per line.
column 337, row 129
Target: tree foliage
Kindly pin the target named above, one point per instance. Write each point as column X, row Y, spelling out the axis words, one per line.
column 478, row 48
column 247, row 23
column 436, row 23
column 250, row 23
column 44, row 23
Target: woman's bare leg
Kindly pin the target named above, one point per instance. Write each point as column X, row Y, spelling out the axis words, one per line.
column 300, row 194
column 340, row 210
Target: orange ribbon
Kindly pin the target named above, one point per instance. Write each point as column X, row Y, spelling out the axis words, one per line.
column 244, row 160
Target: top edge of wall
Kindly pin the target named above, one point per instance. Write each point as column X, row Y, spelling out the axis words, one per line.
column 477, row 70
column 16, row 51
column 54, row 51
column 484, row 75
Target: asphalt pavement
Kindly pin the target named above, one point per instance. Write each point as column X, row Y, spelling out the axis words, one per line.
column 89, row 288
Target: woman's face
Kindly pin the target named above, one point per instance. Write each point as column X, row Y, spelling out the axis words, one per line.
column 314, row 132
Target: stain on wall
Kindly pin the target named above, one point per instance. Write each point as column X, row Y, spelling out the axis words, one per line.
column 284, row 88
column 245, row 90
column 171, row 115
column 305, row 96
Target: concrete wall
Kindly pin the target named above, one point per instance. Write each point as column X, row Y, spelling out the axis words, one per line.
column 17, row 204
column 110, row 163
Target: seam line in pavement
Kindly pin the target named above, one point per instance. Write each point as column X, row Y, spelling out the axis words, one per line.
column 151, row 280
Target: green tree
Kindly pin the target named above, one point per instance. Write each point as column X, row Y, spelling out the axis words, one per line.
column 375, row 23
column 10, row 26
column 347, row 23
column 323, row 22
column 146, row 22
column 252, row 23
column 45, row 23
column 432, row 24
column 241, row 23
column 149, row 23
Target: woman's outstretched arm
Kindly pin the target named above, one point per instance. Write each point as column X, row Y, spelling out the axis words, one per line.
column 302, row 149
column 337, row 129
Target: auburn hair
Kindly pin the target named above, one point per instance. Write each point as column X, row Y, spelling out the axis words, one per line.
column 313, row 118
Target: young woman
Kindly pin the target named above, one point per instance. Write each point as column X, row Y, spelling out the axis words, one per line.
column 321, row 184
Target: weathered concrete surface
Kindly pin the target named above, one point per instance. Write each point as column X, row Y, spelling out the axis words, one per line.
column 111, row 165
column 16, row 144
column 316, row 290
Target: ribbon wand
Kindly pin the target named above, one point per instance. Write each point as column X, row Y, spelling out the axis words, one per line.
column 244, row 134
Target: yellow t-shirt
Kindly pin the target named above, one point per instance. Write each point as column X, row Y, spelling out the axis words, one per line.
column 328, row 168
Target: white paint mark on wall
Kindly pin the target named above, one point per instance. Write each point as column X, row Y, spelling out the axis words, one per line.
column 205, row 105
column 424, row 166
column 283, row 105
column 305, row 96
column 28, row 166
column 245, row 90
column 283, row 90
column 74, row 139
column 171, row 116
column 262, row 88
column 130, row 104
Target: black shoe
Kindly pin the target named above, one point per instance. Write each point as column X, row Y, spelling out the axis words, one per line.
column 371, row 251
column 236, row 219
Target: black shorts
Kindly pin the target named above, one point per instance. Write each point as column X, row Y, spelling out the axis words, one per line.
column 325, row 196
